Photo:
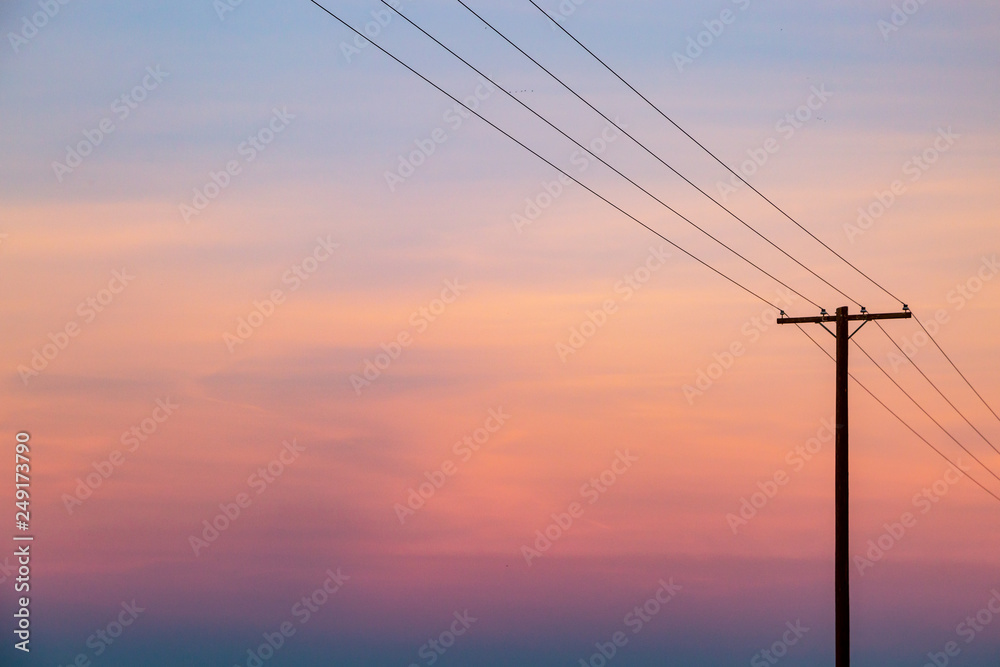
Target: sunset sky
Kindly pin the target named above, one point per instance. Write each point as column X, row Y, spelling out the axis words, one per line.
column 257, row 273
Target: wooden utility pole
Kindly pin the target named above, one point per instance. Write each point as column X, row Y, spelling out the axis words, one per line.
column 842, row 559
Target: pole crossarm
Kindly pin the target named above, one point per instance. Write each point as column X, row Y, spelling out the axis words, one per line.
column 866, row 317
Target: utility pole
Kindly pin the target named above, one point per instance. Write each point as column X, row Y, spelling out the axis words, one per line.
column 842, row 561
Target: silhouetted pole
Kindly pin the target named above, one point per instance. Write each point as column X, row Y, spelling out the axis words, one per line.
column 842, row 583
column 842, row 559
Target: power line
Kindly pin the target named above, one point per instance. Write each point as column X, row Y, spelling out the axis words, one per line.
column 598, row 157
column 901, row 420
column 643, row 146
column 543, row 159
column 644, row 225
column 988, row 407
column 605, row 117
column 713, row 155
column 914, row 401
column 937, row 389
column 765, row 198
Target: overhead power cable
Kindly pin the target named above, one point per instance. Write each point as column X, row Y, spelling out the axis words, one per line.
column 937, row 389
column 900, row 419
column 540, row 157
column 598, row 157
column 922, row 409
column 667, row 240
column 713, row 155
column 663, row 114
column 621, row 129
column 961, row 374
